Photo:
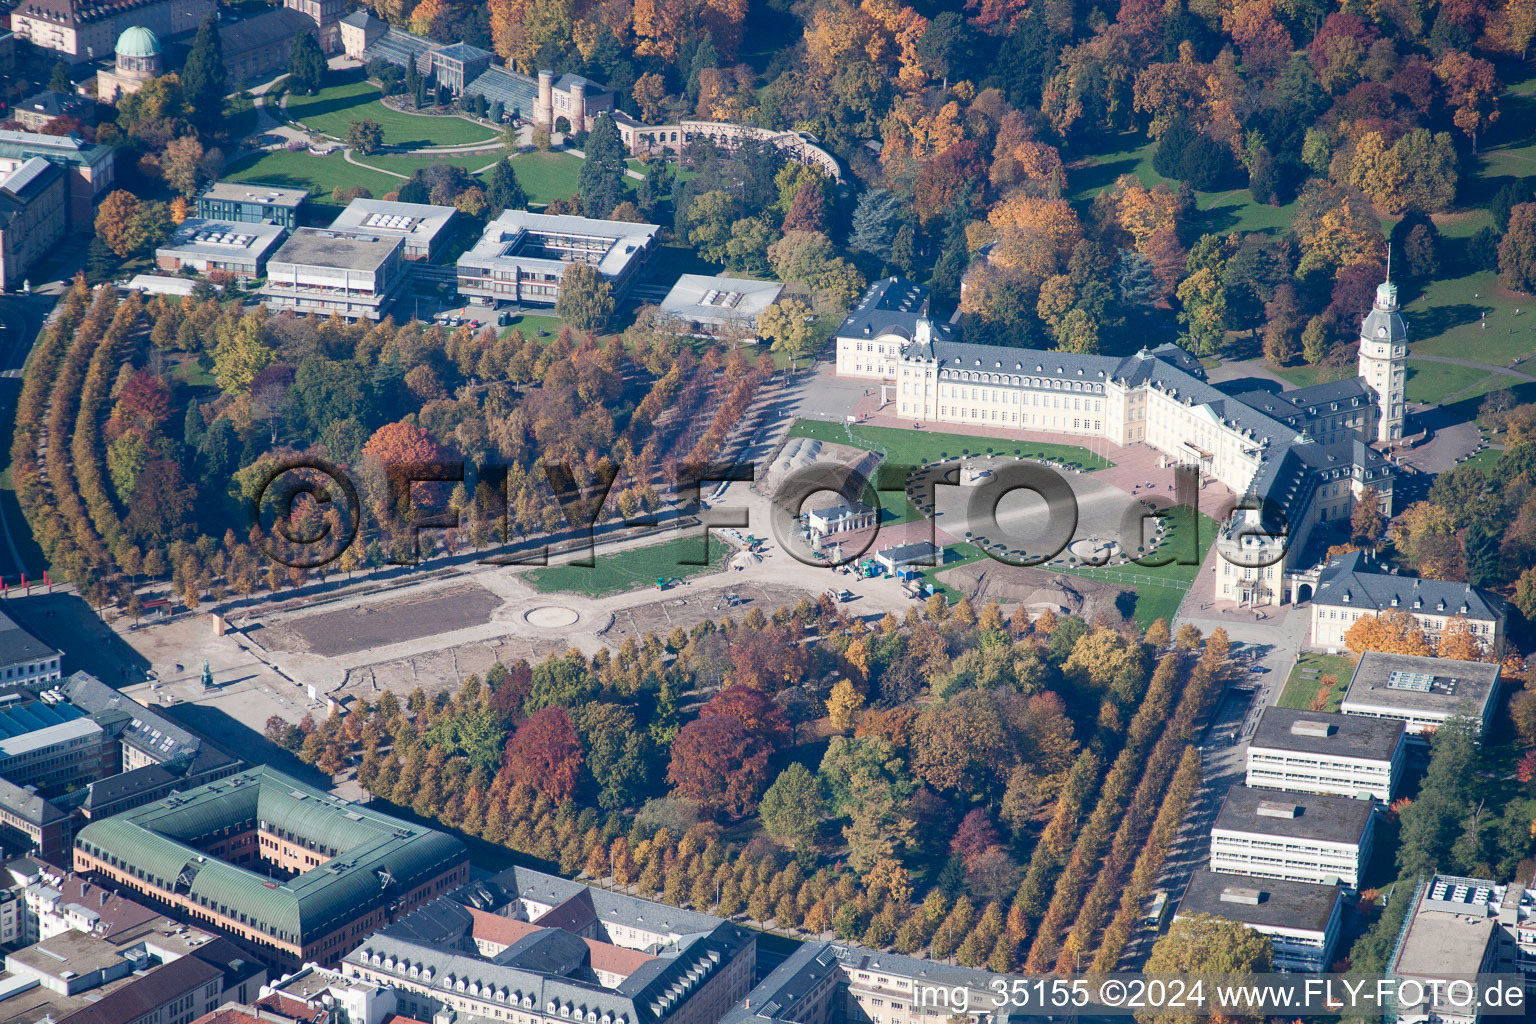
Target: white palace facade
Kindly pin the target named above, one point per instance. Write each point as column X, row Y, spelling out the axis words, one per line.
column 1305, row 453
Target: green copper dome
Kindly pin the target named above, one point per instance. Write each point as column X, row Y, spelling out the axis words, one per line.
column 138, row 41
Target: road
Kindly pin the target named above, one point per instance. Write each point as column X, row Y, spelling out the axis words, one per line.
column 21, row 318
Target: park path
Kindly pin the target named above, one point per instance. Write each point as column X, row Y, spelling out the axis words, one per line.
column 1507, row 371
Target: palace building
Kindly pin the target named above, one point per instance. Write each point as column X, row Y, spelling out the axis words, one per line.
column 1296, row 458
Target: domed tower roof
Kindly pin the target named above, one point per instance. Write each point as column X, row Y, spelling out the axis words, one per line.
column 1384, row 322
column 137, row 41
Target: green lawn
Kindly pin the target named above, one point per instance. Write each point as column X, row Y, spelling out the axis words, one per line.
column 409, row 165
column 1432, row 383
column 1302, row 684
column 335, row 107
column 917, row 447
column 629, row 570
column 1220, row 212
column 1306, row 376
column 1446, row 319
column 546, row 176
column 532, row 325
column 319, row 174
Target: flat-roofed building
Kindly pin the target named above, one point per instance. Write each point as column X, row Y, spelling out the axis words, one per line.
column 425, row 228
column 251, row 203
column 1306, row 837
column 704, row 306
column 352, row 274
column 1422, row 692
column 203, row 245
column 1300, row 919
column 314, row 993
column 522, row 257
column 213, row 854
column 1453, row 931
column 1315, row 752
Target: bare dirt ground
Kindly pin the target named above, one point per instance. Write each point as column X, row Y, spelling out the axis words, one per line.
column 989, row 581
column 361, row 626
column 688, row 606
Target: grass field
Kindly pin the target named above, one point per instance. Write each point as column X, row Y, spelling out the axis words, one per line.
column 336, row 106
column 629, row 570
column 1220, row 212
column 546, row 176
column 1306, row 376
column 916, row 447
column 1445, row 320
column 1302, row 685
column 319, row 174
column 1432, row 383
column 408, row 165
column 531, row 325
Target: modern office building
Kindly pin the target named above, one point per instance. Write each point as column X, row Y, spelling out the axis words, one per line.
column 1458, row 927
column 1269, row 448
column 1294, row 837
column 251, row 203
column 215, row 855
column 90, row 170
column 1422, row 692
column 1352, row 586
column 23, row 657
column 703, row 306
column 1300, row 919
column 202, row 245
column 521, row 257
column 1315, row 752
column 321, row 272
column 78, row 749
column 537, row 949
column 425, row 228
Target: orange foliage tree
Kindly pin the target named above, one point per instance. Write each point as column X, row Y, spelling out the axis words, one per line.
column 1394, row 632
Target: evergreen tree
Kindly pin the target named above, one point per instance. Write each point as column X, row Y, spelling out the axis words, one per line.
column 100, row 262
column 601, row 180
column 306, row 65
column 876, row 219
column 59, row 81
column 204, row 78
column 414, row 85
column 705, row 56
column 505, row 192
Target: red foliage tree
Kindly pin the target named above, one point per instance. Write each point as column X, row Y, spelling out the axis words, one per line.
column 753, row 709
column 546, row 753
column 143, row 405
column 718, row 764
column 944, row 178
column 807, row 210
column 1525, row 768
column 975, row 836
column 402, row 443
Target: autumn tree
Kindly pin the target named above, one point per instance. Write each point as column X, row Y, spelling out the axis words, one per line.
column 719, row 764
column 1517, row 251
column 402, row 443
column 365, row 136
column 1365, row 519
column 1394, row 631
column 546, row 753
column 1204, row 944
column 1472, row 90
column 1035, row 235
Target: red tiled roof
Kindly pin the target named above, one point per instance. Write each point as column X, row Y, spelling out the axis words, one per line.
column 496, row 928
column 615, row 959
